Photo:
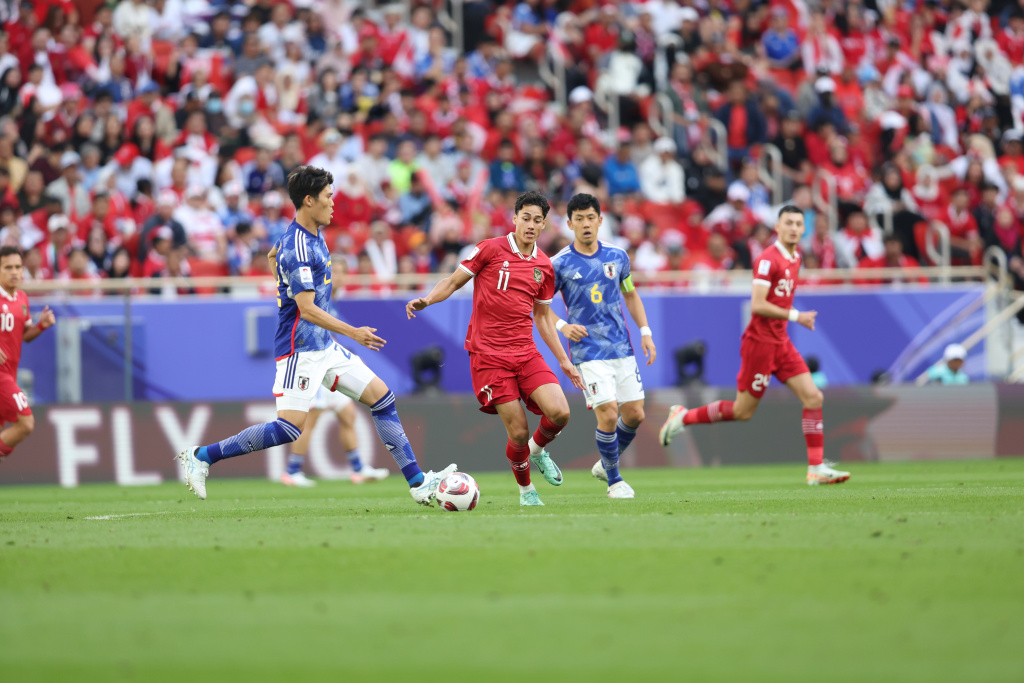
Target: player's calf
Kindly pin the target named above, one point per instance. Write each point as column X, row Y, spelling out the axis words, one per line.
column 16, row 433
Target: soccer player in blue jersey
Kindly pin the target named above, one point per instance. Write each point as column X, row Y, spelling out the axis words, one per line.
column 307, row 355
column 594, row 279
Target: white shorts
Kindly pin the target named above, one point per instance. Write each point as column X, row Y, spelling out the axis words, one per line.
column 617, row 379
column 300, row 375
column 329, row 400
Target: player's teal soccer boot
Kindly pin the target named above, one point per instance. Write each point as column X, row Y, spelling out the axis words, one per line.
column 546, row 466
column 529, row 498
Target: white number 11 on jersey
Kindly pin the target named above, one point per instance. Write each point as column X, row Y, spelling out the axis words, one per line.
column 503, row 277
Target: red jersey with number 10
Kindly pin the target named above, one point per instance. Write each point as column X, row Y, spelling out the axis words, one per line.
column 14, row 316
column 507, row 283
column 777, row 270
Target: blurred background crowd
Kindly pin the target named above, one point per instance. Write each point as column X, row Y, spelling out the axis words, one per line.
column 154, row 138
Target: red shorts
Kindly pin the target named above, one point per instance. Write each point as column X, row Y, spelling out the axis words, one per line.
column 504, row 379
column 12, row 400
column 759, row 360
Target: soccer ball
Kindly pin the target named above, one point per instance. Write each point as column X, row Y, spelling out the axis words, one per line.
column 458, row 492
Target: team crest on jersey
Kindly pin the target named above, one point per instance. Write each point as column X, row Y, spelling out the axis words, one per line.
column 609, row 270
column 537, row 275
column 303, row 383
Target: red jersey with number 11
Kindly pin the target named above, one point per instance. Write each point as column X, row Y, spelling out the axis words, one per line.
column 777, row 270
column 507, row 283
column 14, row 316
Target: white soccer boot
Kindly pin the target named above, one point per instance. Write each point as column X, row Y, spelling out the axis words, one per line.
column 369, row 474
column 620, row 489
column 823, row 474
column 599, row 472
column 673, row 425
column 196, row 471
column 425, row 492
column 298, row 479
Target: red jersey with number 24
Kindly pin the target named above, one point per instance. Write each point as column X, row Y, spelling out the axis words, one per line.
column 777, row 270
column 507, row 283
column 14, row 316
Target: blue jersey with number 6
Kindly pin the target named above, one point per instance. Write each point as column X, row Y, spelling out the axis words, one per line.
column 592, row 287
column 303, row 264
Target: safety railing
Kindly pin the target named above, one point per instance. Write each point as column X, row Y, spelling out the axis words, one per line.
column 610, row 105
column 940, row 255
column 453, row 22
column 720, row 139
column 772, row 178
column 661, row 116
column 883, row 210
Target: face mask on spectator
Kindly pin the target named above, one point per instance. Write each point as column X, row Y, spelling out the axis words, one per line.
column 215, row 105
column 246, row 107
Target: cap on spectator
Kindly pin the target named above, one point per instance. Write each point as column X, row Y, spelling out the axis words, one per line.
column 665, row 146
column 58, row 221
column 609, row 8
column 164, row 232
column 149, row 88
column 68, row 159
column 195, row 190
column 825, row 84
column 126, row 154
column 688, row 14
column 1013, row 135
column 954, row 352
column 332, row 136
column 273, row 200
column 580, row 94
column 892, row 120
column 738, row 192
column 71, row 91
column 233, row 188
column 293, row 33
column 905, row 92
column 167, row 198
column 868, row 73
column 794, row 115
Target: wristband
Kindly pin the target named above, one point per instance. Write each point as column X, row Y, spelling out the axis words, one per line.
column 646, row 331
column 559, row 324
column 793, row 315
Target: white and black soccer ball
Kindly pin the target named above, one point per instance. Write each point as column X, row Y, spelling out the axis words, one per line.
column 458, row 492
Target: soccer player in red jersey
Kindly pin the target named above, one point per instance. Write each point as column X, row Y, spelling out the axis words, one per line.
column 514, row 279
column 15, row 327
column 766, row 350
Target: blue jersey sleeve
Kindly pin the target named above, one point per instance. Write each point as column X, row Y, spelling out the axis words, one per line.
column 296, row 274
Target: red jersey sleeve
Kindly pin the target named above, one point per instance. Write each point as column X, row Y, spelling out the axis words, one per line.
column 763, row 274
column 477, row 259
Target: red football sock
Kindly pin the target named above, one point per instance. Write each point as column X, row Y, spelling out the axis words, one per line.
column 719, row 411
column 546, row 432
column 519, row 457
column 5, row 450
column 814, row 434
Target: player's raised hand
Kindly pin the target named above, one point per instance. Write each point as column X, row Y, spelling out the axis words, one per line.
column 647, row 344
column 572, row 373
column 574, row 332
column 414, row 307
column 46, row 318
column 806, row 318
column 366, row 337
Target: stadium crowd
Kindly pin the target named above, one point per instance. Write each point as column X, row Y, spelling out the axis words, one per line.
column 154, row 137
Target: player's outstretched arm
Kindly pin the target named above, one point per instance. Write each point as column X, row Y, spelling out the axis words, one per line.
column 312, row 313
column 636, row 310
column 441, row 291
column 544, row 318
column 759, row 305
column 46, row 319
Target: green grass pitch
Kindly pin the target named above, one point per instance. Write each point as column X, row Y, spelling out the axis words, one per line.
column 909, row 572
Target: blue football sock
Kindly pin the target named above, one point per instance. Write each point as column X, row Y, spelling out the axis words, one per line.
column 254, row 438
column 625, row 434
column 608, row 447
column 295, row 463
column 354, row 460
column 392, row 434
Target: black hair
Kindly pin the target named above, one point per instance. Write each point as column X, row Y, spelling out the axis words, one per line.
column 790, row 208
column 892, row 238
column 307, row 181
column 9, row 250
column 813, row 364
column 533, row 198
column 582, row 202
column 51, row 200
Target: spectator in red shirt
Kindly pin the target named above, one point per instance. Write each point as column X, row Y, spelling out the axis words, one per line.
column 892, row 258
column 744, row 123
column 964, row 239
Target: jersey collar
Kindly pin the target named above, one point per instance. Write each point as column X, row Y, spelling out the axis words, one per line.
column 789, row 257
column 515, row 248
column 9, row 297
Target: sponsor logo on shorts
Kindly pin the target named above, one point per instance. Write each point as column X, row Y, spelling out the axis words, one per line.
column 303, row 383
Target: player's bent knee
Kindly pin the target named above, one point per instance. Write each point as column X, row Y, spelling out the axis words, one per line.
column 560, row 415
column 27, row 423
column 815, row 401
column 633, row 417
column 742, row 414
column 519, row 435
